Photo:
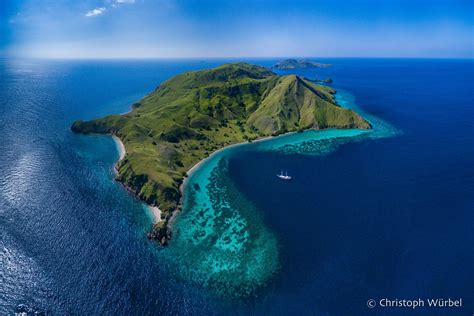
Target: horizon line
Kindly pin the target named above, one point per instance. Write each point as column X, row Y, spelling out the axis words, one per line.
column 232, row 57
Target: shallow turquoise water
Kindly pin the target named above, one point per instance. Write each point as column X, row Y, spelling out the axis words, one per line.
column 220, row 239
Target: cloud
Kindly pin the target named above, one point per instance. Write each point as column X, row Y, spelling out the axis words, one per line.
column 108, row 4
column 95, row 12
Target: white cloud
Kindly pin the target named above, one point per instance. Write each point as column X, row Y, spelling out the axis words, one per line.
column 125, row 1
column 95, row 12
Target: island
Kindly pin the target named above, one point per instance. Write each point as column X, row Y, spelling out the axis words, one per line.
column 298, row 63
column 325, row 80
column 193, row 114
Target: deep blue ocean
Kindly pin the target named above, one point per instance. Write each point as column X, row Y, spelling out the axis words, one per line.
column 371, row 218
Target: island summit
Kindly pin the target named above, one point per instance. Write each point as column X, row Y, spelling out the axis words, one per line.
column 196, row 113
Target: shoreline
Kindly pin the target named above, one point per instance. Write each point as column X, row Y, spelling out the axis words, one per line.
column 257, row 140
column 120, row 148
column 154, row 210
column 200, row 162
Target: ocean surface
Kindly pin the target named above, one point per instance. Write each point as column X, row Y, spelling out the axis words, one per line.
column 368, row 215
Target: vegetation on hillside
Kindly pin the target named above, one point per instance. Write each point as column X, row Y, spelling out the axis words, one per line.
column 193, row 114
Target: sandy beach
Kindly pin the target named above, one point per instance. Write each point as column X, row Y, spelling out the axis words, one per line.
column 156, row 213
column 120, row 147
column 196, row 166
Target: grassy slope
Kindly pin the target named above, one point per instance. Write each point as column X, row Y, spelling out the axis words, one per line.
column 193, row 114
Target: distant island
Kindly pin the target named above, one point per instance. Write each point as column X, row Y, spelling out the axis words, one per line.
column 196, row 113
column 298, row 63
column 317, row 80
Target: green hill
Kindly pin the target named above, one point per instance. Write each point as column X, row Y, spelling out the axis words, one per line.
column 193, row 114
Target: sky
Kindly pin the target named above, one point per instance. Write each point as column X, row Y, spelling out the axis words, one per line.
column 237, row 28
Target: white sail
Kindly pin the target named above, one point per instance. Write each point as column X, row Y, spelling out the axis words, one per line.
column 284, row 176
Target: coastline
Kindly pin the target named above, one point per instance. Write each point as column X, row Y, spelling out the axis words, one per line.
column 120, row 148
column 154, row 210
column 200, row 162
column 196, row 166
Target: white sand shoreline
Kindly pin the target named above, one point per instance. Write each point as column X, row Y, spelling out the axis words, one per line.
column 200, row 162
column 156, row 212
column 120, row 147
column 196, row 166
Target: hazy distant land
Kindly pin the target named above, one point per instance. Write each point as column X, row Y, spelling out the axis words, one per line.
column 298, row 63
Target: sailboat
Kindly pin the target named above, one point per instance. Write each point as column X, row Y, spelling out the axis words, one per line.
column 284, row 176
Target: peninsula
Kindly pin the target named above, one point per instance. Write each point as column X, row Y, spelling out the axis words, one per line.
column 298, row 63
column 196, row 113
